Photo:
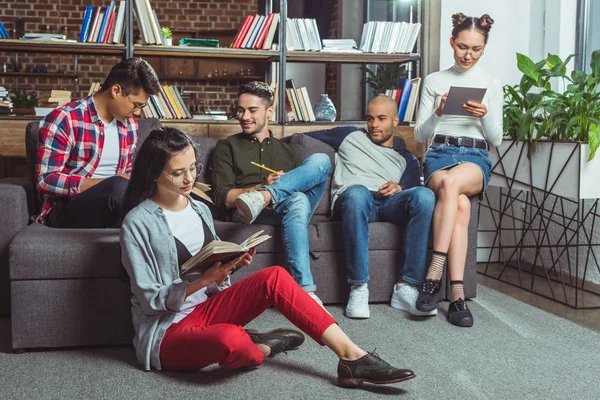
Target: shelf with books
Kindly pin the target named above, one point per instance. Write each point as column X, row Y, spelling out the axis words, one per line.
column 204, row 52
column 16, row 45
column 349, row 57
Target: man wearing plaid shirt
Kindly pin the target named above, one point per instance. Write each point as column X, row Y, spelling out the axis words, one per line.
column 85, row 150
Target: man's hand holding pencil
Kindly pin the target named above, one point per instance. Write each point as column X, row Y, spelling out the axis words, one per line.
column 272, row 177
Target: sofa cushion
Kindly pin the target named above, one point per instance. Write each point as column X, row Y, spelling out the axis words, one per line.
column 382, row 236
column 40, row 252
column 307, row 145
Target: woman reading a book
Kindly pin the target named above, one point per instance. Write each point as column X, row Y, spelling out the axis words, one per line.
column 457, row 164
column 183, row 324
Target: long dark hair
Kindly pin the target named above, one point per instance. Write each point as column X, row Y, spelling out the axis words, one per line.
column 150, row 160
column 461, row 22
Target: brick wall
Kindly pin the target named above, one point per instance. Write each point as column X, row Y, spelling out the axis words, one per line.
column 205, row 17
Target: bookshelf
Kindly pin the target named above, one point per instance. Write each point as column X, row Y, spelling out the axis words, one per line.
column 282, row 56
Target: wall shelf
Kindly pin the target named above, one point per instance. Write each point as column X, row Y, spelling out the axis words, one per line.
column 204, row 52
column 38, row 75
column 349, row 57
column 61, row 47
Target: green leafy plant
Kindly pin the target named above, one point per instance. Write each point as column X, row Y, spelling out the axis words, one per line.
column 22, row 99
column 384, row 77
column 166, row 32
column 533, row 111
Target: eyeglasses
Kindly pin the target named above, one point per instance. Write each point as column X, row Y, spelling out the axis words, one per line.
column 179, row 176
column 463, row 52
column 136, row 105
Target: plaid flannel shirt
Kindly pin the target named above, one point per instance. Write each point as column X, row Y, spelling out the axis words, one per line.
column 71, row 139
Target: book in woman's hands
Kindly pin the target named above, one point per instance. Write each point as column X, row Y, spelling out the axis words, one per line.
column 222, row 251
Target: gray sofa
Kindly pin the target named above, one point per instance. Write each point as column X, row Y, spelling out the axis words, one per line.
column 68, row 288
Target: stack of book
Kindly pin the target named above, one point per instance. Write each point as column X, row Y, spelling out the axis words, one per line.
column 339, row 45
column 389, row 37
column 302, row 34
column 6, row 104
column 168, row 104
column 147, row 22
column 406, row 97
column 257, row 32
column 3, row 32
column 103, row 25
column 54, row 98
column 299, row 102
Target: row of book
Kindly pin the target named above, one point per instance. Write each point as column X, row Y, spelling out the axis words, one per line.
column 3, row 32
column 302, row 34
column 389, row 37
column 406, row 97
column 168, row 104
column 5, row 102
column 148, row 22
column 103, row 25
column 257, row 32
column 299, row 102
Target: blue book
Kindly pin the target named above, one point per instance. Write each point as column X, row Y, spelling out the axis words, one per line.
column 404, row 99
column 105, row 22
column 3, row 32
column 257, row 29
column 85, row 26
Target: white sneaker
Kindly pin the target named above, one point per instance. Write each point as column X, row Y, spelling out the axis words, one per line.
column 249, row 205
column 405, row 298
column 318, row 301
column 358, row 302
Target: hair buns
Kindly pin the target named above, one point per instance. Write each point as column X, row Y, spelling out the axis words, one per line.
column 486, row 22
column 458, row 19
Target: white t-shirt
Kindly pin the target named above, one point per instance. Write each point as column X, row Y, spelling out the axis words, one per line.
column 109, row 158
column 438, row 83
column 186, row 226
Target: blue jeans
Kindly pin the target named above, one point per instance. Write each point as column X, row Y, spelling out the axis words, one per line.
column 295, row 197
column 357, row 206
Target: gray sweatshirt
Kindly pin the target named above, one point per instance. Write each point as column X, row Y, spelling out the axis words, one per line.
column 149, row 254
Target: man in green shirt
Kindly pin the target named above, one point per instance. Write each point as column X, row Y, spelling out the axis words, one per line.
column 288, row 196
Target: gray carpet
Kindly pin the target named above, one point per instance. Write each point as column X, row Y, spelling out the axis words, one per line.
column 514, row 351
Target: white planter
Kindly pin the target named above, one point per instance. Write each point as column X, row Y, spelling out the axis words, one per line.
column 168, row 42
column 560, row 168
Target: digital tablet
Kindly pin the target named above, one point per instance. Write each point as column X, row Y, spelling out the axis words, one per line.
column 457, row 96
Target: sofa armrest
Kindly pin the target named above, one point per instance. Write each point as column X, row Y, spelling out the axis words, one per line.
column 17, row 199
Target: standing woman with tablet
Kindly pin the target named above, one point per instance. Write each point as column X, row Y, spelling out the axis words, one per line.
column 457, row 164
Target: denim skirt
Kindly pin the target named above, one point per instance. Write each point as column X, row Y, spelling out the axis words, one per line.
column 440, row 156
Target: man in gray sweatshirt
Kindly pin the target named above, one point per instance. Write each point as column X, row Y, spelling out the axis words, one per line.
column 376, row 179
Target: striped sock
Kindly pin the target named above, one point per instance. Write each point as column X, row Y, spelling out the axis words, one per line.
column 438, row 259
column 457, row 291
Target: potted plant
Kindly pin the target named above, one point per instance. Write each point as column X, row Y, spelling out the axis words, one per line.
column 557, row 131
column 543, row 207
column 167, row 36
column 24, row 102
column 384, row 77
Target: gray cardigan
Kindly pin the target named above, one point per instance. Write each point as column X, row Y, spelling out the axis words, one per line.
column 149, row 255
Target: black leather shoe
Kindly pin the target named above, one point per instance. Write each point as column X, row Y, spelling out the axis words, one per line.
column 459, row 314
column 370, row 368
column 278, row 340
column 429, row 295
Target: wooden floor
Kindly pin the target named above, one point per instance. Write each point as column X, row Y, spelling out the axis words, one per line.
column 587, row 318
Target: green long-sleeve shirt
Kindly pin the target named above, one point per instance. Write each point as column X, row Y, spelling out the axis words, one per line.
column 231, row 167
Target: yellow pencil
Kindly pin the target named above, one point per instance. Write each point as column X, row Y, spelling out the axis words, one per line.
column 263, row 167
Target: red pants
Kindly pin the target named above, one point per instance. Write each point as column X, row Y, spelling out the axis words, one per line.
column 213, row 332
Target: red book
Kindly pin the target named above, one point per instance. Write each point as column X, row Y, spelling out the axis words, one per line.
column 242, row 33
column 110, row 27
column 258, row 43
column 398, row 94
